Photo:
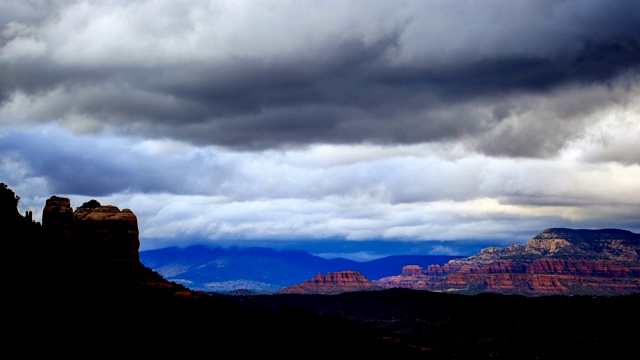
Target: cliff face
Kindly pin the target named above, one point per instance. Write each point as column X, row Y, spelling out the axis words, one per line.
column 94, row 247
column 95, row 230
column 555, row 262
column 333, row 283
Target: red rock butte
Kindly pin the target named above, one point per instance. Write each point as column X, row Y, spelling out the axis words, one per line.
column 333, row 283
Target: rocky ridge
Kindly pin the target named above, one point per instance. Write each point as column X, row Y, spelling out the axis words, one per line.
column 558, row 261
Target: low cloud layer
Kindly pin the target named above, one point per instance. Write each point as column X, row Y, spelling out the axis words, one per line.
column 355, row 120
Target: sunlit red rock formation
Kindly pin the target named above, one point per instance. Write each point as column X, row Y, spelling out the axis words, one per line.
column 333, row 283
column 412, row 277
column 555, row 262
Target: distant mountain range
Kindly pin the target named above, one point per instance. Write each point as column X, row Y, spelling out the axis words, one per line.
column 264, row 270
column 558, row 261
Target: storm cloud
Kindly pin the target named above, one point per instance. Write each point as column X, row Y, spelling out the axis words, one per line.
column 351, row 119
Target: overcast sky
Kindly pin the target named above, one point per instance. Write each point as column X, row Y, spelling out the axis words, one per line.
column 385, row 126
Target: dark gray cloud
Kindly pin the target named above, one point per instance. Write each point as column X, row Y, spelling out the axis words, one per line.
column 78, row 167
column 353, row 87
column 108, row 165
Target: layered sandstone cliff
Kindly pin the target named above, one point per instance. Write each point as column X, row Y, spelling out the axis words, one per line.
column 333, row 283
column 555, row 262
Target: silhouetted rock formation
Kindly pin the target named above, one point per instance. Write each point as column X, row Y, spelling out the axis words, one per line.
column 56, row 218
column 557, row 261
column 101, row 231
column 338, row 282
column 13, row 225
column 94, row 248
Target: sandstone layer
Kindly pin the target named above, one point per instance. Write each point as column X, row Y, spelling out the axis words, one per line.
column 557, row 261
column 333, row 283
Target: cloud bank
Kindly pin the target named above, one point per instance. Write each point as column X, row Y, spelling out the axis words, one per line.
column 352, row 120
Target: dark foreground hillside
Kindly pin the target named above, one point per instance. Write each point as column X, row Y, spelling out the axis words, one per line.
column 484, row 326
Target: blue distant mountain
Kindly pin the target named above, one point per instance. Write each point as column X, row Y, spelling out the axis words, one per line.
column 264, row 270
